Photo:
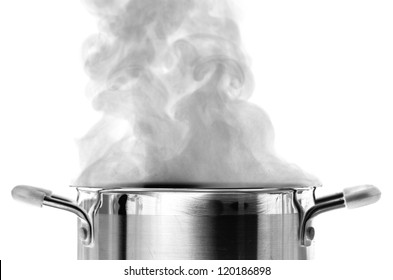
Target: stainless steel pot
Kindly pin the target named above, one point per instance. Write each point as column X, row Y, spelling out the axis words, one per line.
column 209, row 221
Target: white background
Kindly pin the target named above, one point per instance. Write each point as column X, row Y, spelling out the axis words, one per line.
column 323, row 72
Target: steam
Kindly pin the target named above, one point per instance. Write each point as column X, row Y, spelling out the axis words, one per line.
column 172, row 83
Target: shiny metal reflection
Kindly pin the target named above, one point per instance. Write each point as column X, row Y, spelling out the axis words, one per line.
column 195, row 225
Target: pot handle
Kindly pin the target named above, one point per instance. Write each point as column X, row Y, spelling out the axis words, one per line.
column 39, row 197
column 351, row 198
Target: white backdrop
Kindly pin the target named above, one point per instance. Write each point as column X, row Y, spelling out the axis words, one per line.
column 323, row 72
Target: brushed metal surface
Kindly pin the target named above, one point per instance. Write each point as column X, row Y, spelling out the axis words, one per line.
column 207, row 224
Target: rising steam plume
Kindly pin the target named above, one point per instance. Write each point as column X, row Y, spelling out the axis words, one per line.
column 172, row 83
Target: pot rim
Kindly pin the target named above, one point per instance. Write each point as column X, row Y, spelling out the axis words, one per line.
column 196, row 187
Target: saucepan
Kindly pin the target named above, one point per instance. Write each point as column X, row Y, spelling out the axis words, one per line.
column 197, row 221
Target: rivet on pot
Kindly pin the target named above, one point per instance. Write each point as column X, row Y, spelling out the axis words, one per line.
column 83, row 234
column 310, row 232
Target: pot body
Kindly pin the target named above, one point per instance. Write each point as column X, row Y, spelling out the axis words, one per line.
column 143, row 223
